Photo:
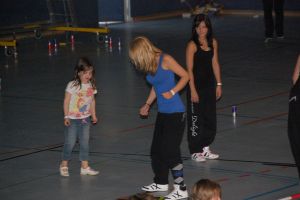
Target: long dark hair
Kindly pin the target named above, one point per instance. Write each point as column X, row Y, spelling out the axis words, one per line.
column 83, row 64
column 195, row 37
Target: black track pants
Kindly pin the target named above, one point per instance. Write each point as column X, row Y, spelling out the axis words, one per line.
column 201, row 120
column 165, row 148
column 294, row 123
column 268, row 17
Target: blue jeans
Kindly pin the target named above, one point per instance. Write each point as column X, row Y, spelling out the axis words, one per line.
column 78, row 128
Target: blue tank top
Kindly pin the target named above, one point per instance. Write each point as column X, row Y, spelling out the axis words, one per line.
column 163, row 81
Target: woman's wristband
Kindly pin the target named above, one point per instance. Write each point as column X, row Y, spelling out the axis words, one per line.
column 219, row 84
column 66, row 117
column 172, row 92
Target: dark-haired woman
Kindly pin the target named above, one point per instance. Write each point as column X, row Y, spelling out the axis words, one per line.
column 205, row 87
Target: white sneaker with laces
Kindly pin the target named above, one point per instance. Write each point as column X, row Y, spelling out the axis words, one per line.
column 198, row 157
column 268, row 39
column 64, row 171
column 156, row 187
column 208, row 154
column 177, row 193
column 88, row 171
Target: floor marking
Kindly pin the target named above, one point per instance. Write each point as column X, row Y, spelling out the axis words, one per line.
column 254, row 100
column 135, row 128
column 33, row 151
column 222, row 180
column 244, row 175
column 265, row 171
column 272, row 191
column 265, row 118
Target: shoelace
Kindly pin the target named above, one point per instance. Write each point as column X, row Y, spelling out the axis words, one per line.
column 196, row 155
column 176, row 195
column 153, row 187
column 207, row 153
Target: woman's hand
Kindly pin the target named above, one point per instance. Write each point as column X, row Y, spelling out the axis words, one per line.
column 94, row 119
column 167, row 95
column 67, row 122
column 218, row 92
column 194, row 97
column 144, row 110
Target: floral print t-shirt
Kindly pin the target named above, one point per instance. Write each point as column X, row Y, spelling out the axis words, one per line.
column 81, row 99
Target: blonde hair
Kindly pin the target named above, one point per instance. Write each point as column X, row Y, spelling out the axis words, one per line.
column 206, row 189
column 142, row 54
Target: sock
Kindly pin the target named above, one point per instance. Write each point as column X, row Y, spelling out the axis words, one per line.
column 177, row 173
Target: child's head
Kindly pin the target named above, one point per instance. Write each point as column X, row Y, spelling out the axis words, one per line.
column 142, row 54
column 206, row 189
column 84, row 72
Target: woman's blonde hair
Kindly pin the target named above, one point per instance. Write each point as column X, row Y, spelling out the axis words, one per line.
column 206, row 189
column 142, row 54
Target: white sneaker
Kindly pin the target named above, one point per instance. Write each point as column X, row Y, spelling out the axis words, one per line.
column 198, row 157
column 156, row 187
column 64, row 171
column 268, row 39
column 177, row 193
column 88, row 171
column 208, row 154
column 280, row 37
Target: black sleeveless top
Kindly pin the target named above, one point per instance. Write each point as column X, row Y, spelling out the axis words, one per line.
column 202, row 70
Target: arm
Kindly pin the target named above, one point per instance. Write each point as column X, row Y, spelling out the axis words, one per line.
column 144, row 110
column 93, row 111
column 296, row 70
column 170, row 63
column 67, row 100
column 217, row 69
column 189, row 54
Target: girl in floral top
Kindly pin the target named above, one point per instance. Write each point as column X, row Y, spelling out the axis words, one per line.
column 80, row 112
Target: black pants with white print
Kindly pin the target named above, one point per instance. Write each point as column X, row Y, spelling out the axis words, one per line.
column 201, row 120
column 294, row 123
column 165, row 148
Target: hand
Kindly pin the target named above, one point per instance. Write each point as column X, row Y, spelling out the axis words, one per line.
column 67, row 122
column 167, row 95
column 218, row 92
column 94, row 120
column 194, row 97
column 144, row 110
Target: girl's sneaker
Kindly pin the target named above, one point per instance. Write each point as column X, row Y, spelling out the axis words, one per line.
column 198, row 157
column 179, row 192
column 208, row 154
column 64, row 171
column 88, row 171
column 155, row 188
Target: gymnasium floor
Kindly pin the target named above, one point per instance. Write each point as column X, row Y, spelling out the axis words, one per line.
column 255, row 158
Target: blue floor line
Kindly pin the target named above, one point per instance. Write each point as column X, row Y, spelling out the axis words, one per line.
column 234, row 171
column 272, row 191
